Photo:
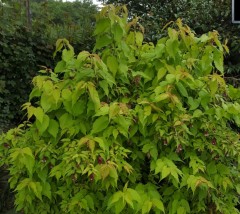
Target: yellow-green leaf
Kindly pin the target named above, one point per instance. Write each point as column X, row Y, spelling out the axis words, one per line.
column 94, row 95
column 112, row 64
column 53, row 128
column 100, row 124
column 139, row 38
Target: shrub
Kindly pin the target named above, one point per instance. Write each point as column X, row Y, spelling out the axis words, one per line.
column 133, row 127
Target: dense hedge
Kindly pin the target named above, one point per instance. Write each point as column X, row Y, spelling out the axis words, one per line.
column 20, row 59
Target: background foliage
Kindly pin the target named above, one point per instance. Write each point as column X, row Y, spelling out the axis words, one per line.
column 25, row 47
column 132, row 127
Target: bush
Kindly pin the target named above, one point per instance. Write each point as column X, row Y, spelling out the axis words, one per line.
column 137, row 127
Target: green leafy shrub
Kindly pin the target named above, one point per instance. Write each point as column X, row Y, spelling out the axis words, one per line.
column 202, row 16
column 133, row 127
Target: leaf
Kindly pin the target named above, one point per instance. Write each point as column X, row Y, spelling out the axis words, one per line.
column 43, row 174
column 22, row 184
column 82, row 56
column 46, row 102
column 238, row 188
column 35, row 93
column 56, row 95
column 78, row 108
column 147, row 110
column 128, row 199
column 165, row 172
column 185, row 204
column 30, row 111
column 158, row 204
column 146, row 148
column 159, row 166
column 28, row 152
column 161, row 73
column 134, row 194
column 206, row 64
column 91, row 145
column 130, row 38
column 123, row 69
column 116, row 197
column 37, row 189
column 123, row 124
column 218, row 59
column 142, row 74
column 113, row 110
column 65, row 121
column 53, row 128
column 101, row 143
column 197, row 113
column 94, row 95
column 60, row 67
column 66, row 94
column 90, row 201
column 42, row 127
column 59, row 46
column 170, row 78
column 85, row 73
column 67, row 55
column 39, row 114
column 154, row 153
column 104, row 85
column 102, row 25
column 182, row 89
column 172, row 47
column 160, row 50
column 181, row 210
column 117, row 32
column 112, row 64
column 113, row 173
column 100, row 124
column 105, row 74
column 102, row 41
column 119, row 206
column 46, row 190
column 213, row 85
column 211, row 168
column 161, row 97
column 204, row 38
column 146, row 207
column 28, row 161
column 48, row 87
column 115, row 133
column 191, row 182
column 194, row 103
column 139, row 38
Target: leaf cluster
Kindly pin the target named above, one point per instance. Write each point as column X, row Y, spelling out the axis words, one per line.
column 202, row 16
column 131, row 128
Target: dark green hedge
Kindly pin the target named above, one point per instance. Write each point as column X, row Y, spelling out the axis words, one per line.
column 21, row 57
